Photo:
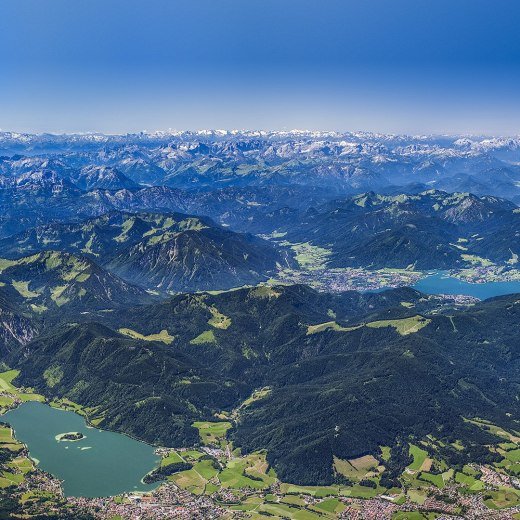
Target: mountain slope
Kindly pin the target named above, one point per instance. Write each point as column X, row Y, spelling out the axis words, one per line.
column 101, row 237
column 429, row 230
column 366, row 388
column 16, row 326
column 169, row 252
column 103, row 178
column 196, row 259
column 346, row 374
column 60, row 284
column 98, row 365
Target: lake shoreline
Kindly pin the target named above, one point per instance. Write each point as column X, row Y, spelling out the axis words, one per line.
column 447, row 283
column 111, row 464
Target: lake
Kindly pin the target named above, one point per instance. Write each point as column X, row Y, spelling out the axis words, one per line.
column 101, row 464
column 441, row 283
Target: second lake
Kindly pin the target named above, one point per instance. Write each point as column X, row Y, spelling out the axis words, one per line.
column 442, row 283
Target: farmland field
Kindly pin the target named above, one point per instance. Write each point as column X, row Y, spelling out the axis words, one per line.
column 212, row 432
column 419, row 456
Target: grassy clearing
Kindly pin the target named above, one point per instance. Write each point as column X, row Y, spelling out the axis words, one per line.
column 476, row 260
column 8, row 479
column 211, row 488
column 196, row 479
column 418, row 496
column 513, row 455
column 419, row 456
column 162, row 336
column 13, row 473
column 5, row 264
column 5, row 402
column 257, row 395
column 189, row 480
column 38, row 309
column 365, row 463
column 331, row 505
column 403, row 326
column 172, row 458
column 206, row 469
column 192, row 454
column 32, row 496
column 247, row 472
column 291, row 499
column 356, row 469
column 436, row 480
column 288, row 511
column 427, row 464
column 385, row 452
column 414, row 515
column 67, row 404
column 23, row 289
column 22, row 464
column 56, row 295
column 329, row 325
column 469, row 481
column 7, row 439
column 310, row 257
column 212, row 432
column 88, row 246
column 127, row 225
column 53, row 375
column 502, row 498
column 206, row 337
column 359, row 491
column 6, row 379
column 6, row 385
column 264, row 291
column 314, row 491
column 506, row 446
column 218, row 320
column 486, row 425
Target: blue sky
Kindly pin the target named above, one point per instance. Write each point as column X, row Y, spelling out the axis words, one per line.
column 443, row 66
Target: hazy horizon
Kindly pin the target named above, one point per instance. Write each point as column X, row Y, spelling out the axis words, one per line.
column 231, row 131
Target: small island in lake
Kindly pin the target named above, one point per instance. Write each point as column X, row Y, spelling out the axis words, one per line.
column 70, row 436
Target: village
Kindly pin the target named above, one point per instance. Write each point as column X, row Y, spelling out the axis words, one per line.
column 215, row 480
column 170, row 502
column 277, row 500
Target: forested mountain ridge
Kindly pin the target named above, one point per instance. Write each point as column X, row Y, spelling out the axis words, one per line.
column 61, row 285
column 337, row 389
column 427, row 230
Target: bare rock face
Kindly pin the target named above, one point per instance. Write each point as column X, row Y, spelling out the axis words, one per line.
column 15, row 329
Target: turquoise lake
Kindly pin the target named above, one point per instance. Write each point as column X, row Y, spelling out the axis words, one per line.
column 101, row 464
column 441, row 283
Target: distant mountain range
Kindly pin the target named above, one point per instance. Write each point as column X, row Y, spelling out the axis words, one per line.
column 349, row 162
